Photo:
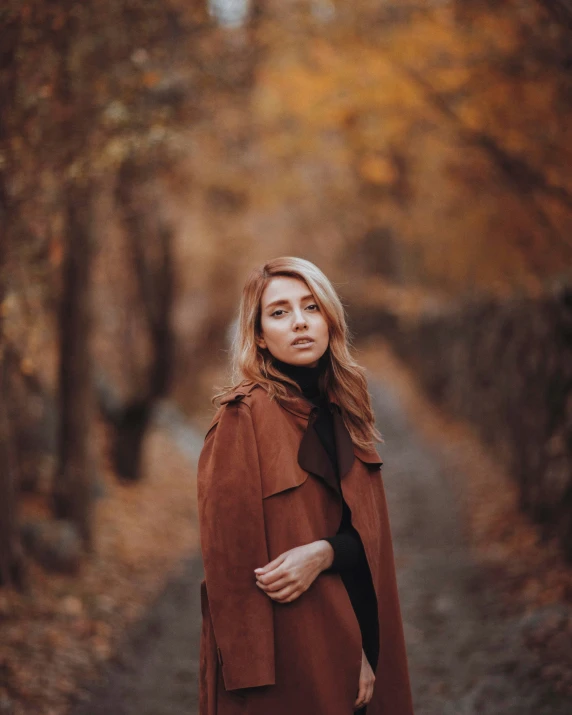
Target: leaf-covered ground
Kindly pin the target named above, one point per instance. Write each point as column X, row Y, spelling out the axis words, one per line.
column 60, row 632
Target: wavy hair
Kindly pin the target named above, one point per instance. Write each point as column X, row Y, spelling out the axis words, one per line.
column 342, row 377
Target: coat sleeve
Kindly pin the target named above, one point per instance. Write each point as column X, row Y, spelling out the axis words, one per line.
column 233, row 544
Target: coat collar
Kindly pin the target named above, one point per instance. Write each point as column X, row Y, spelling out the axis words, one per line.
column 345, row 448
column 312, row 456
column 299, row 405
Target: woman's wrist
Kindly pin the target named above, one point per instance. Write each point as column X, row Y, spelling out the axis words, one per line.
column 326, row 552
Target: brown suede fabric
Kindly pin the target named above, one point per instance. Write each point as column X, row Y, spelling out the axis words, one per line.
column 265, row 486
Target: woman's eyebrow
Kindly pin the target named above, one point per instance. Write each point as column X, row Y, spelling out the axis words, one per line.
column 284, row 301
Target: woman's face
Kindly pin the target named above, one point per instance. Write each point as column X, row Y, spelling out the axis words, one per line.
column 292, row 327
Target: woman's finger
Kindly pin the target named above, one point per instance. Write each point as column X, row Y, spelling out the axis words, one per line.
column 272, row 588
column 368, row 694
column 272, row 576
column 277, row 595
column 271, row 565
column 275, row 585
column 362, row 697
column 285, row 595
column 282, row 595
column 359, row 703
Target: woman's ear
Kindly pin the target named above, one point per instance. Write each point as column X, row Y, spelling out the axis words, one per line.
column 261, row 343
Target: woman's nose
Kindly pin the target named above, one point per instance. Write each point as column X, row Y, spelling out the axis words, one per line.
column 299, row 319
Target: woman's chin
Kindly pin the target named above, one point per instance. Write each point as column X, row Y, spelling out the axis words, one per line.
column 304, row 360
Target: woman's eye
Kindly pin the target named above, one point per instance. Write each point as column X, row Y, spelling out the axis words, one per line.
column 279, row 311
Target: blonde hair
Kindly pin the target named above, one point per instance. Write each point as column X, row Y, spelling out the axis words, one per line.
column 342, row 378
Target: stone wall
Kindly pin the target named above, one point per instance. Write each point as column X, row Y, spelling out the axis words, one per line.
column 505, row 367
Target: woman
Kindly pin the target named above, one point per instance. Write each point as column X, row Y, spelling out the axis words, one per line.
column 300, row 606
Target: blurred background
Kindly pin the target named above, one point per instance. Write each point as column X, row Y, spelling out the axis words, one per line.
column 151, row 154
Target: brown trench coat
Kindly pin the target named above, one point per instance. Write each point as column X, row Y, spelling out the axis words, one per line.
column 265, row 486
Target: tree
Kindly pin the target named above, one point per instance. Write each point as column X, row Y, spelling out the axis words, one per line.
column 11, row 564
column 150, row 243
column 73, row 493
column 73, row 489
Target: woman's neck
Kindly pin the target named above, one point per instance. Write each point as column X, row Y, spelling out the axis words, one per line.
column 307, row 378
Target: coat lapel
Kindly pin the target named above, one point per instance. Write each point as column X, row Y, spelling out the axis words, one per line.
column 344, row 444
column 312, row 455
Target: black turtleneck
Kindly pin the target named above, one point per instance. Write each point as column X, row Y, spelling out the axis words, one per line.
column 350, row 560
column 347, row 546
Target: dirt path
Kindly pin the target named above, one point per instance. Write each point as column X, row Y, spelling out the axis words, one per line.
column 156, row 674
column 465, row 657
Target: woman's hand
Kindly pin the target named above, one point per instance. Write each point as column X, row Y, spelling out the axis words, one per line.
column 294, row 571
column 366, row 682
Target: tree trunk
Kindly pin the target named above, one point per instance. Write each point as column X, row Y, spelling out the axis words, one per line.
column 11, row 561
column 150, row 242
column 11, row 564
column 73, row 493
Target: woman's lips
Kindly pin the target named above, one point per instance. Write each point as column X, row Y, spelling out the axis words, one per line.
column 307, row 342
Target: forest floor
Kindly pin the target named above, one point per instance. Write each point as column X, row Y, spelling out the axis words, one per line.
column 486, row 609
column 63, row 629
